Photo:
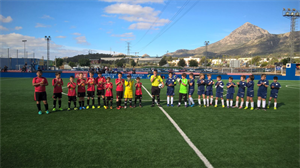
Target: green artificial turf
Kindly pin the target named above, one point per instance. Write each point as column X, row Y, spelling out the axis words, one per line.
column 144, row 137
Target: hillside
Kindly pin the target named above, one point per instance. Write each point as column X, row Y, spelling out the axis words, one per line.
column 243, row 40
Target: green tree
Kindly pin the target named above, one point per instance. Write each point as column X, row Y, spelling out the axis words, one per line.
column 285, row 61
column 181, row 63
column 119, row 63
column 72, row 64
column 264, row 64
column 163, row 61
column 132, row 63
column 273, row 61
column 193, row 63
column 84, row 62
column 169, row 58
column 59, row 62
column 255, row 60
column 202, row 61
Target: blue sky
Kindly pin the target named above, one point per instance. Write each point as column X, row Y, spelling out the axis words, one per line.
column 79, row 26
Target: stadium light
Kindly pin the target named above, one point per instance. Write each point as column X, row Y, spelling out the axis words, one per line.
column 48, row 48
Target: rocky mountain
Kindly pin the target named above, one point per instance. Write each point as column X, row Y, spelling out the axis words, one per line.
column 243, row 40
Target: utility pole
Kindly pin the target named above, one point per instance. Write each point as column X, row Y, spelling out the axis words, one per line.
column 128, row 48
column 8, row 53
column 24, row 41
column 48, row 48
column 206, row 44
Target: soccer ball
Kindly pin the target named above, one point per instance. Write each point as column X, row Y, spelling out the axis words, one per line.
column 178, row 80
column 160, row 86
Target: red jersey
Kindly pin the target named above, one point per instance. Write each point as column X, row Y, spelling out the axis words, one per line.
column 91, row 82
column 138, row 88
column 57, row 83
column 119, row 86
column 72, row 89
column 108, row 87
column 39, row 88
column 98, row 80
column 81, row 87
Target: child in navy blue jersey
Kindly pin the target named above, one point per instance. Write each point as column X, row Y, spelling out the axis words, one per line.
column 170, row 83
column 241, row 92
column 201, row 90
column 275, row 86
column 209, row 92
column 219, row 91
column 263, row 85
column 230, row 92
column 250, row 92
column 191, row 89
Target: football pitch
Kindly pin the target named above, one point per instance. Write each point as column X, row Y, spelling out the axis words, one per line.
column 145, row 137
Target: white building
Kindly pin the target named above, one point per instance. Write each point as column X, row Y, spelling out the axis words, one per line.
column 186, row 60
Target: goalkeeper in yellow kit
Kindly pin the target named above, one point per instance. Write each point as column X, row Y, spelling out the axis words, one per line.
column 128, row 91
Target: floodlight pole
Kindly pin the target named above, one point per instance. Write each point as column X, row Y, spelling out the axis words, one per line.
column 206, row 44
column 48, row 48
column 24, row 41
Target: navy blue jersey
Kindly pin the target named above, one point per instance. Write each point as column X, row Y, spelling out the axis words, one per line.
column 242, row 86
column 219, row 86
column 209, row 86
column 263, row 88
column 193, row 84
column 250, row 86
column 171, row 81
column 201, row 86
column 276, row 85
column 231, row 88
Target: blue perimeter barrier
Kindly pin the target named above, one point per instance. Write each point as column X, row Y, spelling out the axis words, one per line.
column 142, row 76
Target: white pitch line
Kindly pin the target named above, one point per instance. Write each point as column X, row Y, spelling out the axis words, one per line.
column 185, row 137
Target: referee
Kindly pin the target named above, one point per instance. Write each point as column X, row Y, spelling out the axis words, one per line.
column 155, row 81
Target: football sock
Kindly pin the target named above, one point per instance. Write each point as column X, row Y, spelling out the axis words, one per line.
column 227, row 102
column 74, row 103
column 104, row 102
column 199, row 101
column 125, row 103
column 82, row 103
column 211, row 100
column 237, row 103
column 79, row 104
column 120, row 102
column 269, row 103
column 171, row 100
column 108, row 102
column 59, row 103
column 252, row 104
column 54, row 103
column 168, row 100
column 88, row 102
column 69, row 104
column 275, row 104
column 38, row 106
column 263, row 104
column 158, row 99
column 179, row 103
column 192, row 101
column 204, row 101
column 135, row 101
column 185, row 103
column 216, row 102
column 98, row 101
column 258, row 103
column 231, row 102
column 130, row 102
column 153, row 99
column 140, row 101
column 46, row 106
column 242, row 104
column 207, row 102
column 222, row 102
column 247, row 103
column 111, row 103
column 93, row 101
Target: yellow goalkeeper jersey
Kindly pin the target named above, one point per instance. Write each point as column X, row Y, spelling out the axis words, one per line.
column 129, row 86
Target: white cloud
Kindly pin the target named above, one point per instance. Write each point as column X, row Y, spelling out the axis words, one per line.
column 18, row 28
column 127, row 39
column 134, row 1
column 123, row 35
column 5, row 20
column 60, row 36
column 136, row 13
column 3, row 28
column 41, row 25
column 77, row 34
column 47, row 17
column 81, row 40
column 39, row 46
column 108, row 15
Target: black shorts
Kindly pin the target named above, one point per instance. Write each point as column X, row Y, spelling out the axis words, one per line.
column 71, row 98
column 109, row 98
column 40, row 96
column 57, row 95
column 101, row 92
column 119, row 94
column 138, row 96
column 81, row 94
column 155, row 90
column 90, row 93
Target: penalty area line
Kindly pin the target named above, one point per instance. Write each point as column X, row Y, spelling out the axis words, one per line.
column 185, row 137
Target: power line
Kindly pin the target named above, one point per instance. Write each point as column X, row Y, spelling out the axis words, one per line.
column 163, row 31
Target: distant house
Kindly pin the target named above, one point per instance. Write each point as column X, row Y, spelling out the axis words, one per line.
column 186, row 60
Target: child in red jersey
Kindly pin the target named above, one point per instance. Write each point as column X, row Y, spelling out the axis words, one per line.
column 119, row 88
column 81, row 91
column 71, row 93
column 57, row 90
column 108, row 93
column 100, row 88
column 91, row 82
column 138, row 92
column 39, row 84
